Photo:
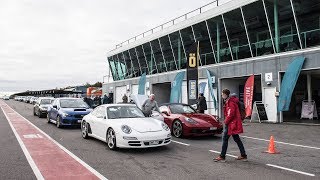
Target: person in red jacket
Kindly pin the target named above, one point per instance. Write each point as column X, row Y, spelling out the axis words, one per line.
column 232, row 126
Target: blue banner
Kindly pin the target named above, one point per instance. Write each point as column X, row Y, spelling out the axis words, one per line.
column 176, row 88
column 210, row 84
column 289, row 82
column 142, row 84
column 202, row 87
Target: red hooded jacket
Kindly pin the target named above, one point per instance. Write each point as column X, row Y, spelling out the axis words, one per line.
column 232, row 116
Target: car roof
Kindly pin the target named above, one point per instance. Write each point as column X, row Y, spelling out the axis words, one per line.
column 167, row 104
column 46, row 98
column 68, row 98
column 113, row 105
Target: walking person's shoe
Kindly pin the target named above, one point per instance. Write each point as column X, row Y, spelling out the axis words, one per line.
column 242, row 158
column 219, row 159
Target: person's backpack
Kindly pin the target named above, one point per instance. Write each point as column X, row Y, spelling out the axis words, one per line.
column 242, row 110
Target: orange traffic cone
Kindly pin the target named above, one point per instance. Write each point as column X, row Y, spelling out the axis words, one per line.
column 271, row 148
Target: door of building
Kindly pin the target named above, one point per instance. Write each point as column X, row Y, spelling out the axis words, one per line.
column 270, row 103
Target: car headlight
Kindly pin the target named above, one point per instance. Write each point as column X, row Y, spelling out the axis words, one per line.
column 191, row 121
column 65, row 114
column 126, row 129
column 165, row 126
column 43, row 108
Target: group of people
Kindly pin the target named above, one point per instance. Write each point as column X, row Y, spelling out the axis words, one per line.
column 98, row 100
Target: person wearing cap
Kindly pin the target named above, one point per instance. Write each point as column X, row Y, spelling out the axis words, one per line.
column 232, row 126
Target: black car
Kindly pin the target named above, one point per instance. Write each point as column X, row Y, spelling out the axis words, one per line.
column 41, row 106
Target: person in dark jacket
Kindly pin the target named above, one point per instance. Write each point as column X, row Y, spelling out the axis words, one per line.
column 125, row 99
column 88, row 100
column 201, row 103
column 232, row 126
column 105, row 99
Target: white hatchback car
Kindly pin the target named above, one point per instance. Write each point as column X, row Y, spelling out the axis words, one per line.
column 125, row 126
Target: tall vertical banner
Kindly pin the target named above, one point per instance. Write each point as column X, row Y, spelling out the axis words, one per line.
column 142, row 84
column 192, row 73
column 176, row 88
column 248, row 95
column 210, row 76
column 288, row 83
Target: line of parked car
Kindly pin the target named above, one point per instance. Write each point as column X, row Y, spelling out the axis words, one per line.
column 26, row 99
column 125, row 125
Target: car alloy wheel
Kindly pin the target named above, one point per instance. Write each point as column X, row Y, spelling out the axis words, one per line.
column 111, row 139
column 84, row 129
column 58, row 122
column 177, row 128
column 39, row 114
column 48, row 118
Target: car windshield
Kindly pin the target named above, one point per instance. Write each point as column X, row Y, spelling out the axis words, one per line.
column 181, row 109
column 73, row 103
column 118, row 112
column 45, row 101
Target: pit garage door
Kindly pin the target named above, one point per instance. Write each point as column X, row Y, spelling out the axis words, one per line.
column 120, row 91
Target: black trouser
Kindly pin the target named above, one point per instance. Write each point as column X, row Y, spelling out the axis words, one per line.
column 236, row 139
column 201, row 111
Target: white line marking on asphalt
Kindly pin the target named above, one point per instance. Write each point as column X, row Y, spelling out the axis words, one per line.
column 220, row 152
column 33, row 165
column 297, row 145
column 180, row 143
column 292, row 170
column 250, row 149
column 100, row 176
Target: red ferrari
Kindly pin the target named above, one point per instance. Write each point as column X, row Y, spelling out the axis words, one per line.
column 184, row 120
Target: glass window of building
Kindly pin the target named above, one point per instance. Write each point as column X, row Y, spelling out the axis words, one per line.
column 157, row 55
column 178, row 49
column 308, row 17
column 258, row 29
column 187, row 39
column 135, row 63
column 168, row 55
column 142, row 60
column 237, row 34
column 283, row 25
column 128, row 64
column 219, row 39
column 205, row 48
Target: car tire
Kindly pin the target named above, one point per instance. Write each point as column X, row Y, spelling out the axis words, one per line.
column 177, row 129
column 84, row 130
column 48, row 118
column 58, row 121
column 39, row 114
column 34, row 112
column 111, row 139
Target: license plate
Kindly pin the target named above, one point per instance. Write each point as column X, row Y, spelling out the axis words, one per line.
column 79, row 121
column 154, row 142
column 213, row 128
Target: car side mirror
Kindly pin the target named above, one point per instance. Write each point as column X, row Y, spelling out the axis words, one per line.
column 166, row 113
column 55, row 106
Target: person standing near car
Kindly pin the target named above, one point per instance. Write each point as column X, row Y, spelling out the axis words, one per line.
column 125, row 99
column 232, row 126
column 150, row 105
column 201, row 104
column 105, row 99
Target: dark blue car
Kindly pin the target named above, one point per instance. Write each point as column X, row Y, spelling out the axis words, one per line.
column 67, row 111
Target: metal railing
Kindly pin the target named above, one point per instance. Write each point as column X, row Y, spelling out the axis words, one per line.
column 169, row 23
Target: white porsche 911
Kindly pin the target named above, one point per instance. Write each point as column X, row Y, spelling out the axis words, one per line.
column 124, row 126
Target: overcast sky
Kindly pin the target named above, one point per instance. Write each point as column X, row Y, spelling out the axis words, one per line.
column 55, row 43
